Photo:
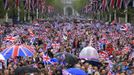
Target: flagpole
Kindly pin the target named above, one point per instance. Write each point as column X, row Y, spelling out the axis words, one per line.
column 126, row 15
column 115, row 14
column 7, row 16
column 106, row 17
column 18, row 13
column 110, row 17
column 25, row 15
column 29, row 10
column 98, row 15
column 28, row 14
column 37, row 13
column 126, row 10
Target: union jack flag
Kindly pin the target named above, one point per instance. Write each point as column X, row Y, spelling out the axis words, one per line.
column 126, row 49
column 124, row 27
column 55, row 45
column 31, row 33
column 103, row 54
column 46, row 59
column 10, row 38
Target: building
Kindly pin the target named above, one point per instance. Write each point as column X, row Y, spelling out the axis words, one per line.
column 68, row 8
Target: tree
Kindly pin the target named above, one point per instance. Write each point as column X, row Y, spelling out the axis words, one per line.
column 56, row 4
column 79, row 4
column 2, row 11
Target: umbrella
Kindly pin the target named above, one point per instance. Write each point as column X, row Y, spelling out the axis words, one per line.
column 54, row 60
column 66, row 58
column 25, row 69
column 18, row 50
column 2, row 57
column 74, row 71
column 89, row 53
column 94, row 62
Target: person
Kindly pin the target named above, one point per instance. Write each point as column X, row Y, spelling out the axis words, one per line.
column 96, row 71
column 72, row 39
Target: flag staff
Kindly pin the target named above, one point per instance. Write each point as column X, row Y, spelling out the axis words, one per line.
column 28, row 14
column 126, row 14
column 98, row 15
column 115, row 14
column 25, row 15
column 18, row 10
column 37, row 13
column 6, row 7
column 110, row 17
column 126, row 2
column 29, row 2
column 6, row 16
column 18, row 13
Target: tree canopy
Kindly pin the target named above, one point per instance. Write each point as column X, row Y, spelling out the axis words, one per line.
column 79, row 4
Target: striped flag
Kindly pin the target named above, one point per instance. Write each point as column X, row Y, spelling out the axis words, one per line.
column 124, row 27
column 24, row 3
column 34, row 5
column 87, row 8
column 50, row 9
column 42, row 6
column 28, row 2
column 133, row 3
column 96, row 4
column 126, row 2
column 17, row 3
column 119, row 4
column 104, row 4
column 5, row 4
column 112, row 3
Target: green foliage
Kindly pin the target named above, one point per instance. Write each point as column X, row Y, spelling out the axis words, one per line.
column 2, row 11
column 131, row 11
column 79, row 4
column 49, row 2
column 58, row 4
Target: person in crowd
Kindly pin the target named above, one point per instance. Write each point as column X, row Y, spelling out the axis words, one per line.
column 53, row 37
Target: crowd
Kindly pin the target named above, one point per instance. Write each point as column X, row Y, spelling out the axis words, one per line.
column 113, row 41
